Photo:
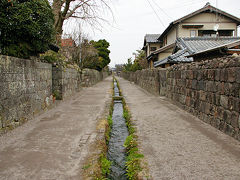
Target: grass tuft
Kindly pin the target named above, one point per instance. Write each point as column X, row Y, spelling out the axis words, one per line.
column 133, row 164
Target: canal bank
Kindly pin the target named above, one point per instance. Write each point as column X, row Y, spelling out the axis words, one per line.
column 119, row 132
column 176, row 144
column 115, row 154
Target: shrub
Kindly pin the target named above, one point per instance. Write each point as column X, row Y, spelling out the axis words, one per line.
column 26, row 27
column 52, row 57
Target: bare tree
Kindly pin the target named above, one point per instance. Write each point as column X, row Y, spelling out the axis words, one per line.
column 89, row 11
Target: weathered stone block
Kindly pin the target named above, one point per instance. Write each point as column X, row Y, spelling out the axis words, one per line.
column 237, row 73
column 234, row 119
column 211, row 86
column 211, row 74
column 227, row 116
column 202, row 96
column 239, row 121
column 224, row 101
column 200, row 85
column 217, row 74
column 228, row 89
column 229, row 129
column 223, row 75
column 231, row 75
column 207, row 108
column 194, row 84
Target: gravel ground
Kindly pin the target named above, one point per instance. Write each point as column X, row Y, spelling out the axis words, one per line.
column 55, row 144
column 178, row 145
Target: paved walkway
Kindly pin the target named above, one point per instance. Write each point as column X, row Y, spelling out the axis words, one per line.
column 176, row 144
column 54, row 145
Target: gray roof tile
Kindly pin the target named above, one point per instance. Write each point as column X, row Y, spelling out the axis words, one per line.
column 189, row 46
column 198, row 44
column 151, row 38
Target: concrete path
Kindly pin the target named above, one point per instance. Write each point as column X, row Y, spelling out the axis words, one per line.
column 178, row 145
column 54, row 145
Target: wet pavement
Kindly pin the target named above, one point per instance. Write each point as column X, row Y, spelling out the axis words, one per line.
column 55, row 144
column 176, row 144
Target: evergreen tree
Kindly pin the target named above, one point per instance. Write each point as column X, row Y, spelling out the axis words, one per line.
column 26, row 27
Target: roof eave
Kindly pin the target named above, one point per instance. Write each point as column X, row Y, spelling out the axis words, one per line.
column 236, row 19
column 164, row 48
column 224, row 46
column 166, row 30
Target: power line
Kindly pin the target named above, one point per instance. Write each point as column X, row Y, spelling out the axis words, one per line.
column 156, row 14
column 186, row 4
column 161, row 9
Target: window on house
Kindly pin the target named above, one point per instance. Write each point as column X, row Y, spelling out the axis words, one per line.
column 193, row 33
column 226, row 33
column 153, row 48
column 213, row 33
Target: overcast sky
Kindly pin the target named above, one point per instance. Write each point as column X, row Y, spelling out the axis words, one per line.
column 135, row 18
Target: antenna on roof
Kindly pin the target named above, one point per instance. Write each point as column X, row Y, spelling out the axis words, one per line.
column 207, row 4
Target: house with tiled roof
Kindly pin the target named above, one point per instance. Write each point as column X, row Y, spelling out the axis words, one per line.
column 151, row 44
column 205, row 22
column 193, row 48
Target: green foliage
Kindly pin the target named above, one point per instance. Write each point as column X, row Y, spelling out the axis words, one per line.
column 130, row 142
column 110, row 121
column 133, row 166
column 105, row 165
column 26, row 27
column 103, row 53
column 139, row 62
column 57, row 95
column 133, row 157
column 52, row 57
column 108, row 129
column 86, row 166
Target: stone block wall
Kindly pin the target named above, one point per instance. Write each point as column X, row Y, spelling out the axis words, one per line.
column 28, row 87
column 90, row 77
column 25, row 89
column 66, row 81
column 147, row 79
column 209, row 89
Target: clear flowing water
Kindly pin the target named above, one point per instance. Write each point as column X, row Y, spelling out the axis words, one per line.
column 119, row 133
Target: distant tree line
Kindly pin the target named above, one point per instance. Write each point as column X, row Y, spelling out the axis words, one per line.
column 138, row 63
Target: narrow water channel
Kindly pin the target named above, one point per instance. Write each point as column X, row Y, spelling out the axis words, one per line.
column 119, row 133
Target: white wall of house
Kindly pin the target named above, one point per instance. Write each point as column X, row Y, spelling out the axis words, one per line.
column 165, row 54
column 209, row 17
column 208, row 20
column 171, row 36
column 157, row 45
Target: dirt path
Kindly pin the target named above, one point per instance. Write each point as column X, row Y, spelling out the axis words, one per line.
column 54, row 145
column 178, row 145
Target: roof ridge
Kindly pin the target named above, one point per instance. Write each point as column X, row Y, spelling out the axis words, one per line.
column 185, row 46
column 210, row 38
